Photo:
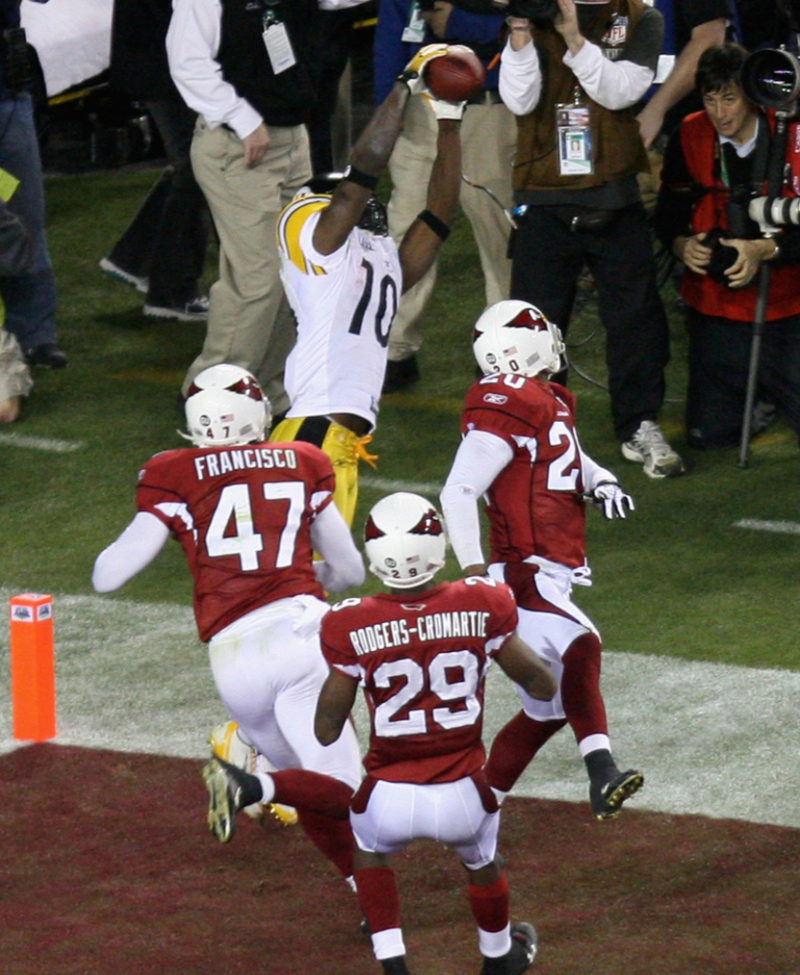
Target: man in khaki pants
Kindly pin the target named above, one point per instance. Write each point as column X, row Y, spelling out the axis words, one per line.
column 247, row 73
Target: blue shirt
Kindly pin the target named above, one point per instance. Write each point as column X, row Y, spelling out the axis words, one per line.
column 391, row 54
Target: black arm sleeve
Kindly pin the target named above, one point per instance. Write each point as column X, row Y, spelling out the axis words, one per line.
column 645, row 45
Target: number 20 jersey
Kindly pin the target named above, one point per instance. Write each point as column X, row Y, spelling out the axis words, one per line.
column 243, row 516
column 536, row 503
column 345, row 303
column 422, row 662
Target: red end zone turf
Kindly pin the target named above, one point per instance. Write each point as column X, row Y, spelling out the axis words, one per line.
column 107, row 867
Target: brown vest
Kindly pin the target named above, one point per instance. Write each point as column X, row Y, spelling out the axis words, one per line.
column 617, row 148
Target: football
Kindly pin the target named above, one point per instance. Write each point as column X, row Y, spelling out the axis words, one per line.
column 455, row 76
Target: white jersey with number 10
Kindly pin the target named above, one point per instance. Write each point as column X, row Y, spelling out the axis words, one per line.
column 345, row 303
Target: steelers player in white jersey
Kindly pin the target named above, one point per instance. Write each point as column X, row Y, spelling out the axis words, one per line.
column 344, row 276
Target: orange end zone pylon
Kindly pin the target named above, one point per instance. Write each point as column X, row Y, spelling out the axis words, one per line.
column 33, row 674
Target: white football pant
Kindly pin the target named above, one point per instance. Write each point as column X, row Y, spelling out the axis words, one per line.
column 268, row 668
column 449, row 812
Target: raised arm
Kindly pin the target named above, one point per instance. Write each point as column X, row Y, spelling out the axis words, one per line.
column 370, row 155
column 424, row 238
column 368, row 159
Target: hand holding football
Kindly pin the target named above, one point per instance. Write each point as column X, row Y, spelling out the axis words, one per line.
column 456, row 75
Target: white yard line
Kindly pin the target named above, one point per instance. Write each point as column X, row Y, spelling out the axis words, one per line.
column 47, row 444
column 429, row 488
column 781, row 527
column 712, row 739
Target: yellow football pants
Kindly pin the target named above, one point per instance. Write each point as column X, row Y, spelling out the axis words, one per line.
column 344, row 449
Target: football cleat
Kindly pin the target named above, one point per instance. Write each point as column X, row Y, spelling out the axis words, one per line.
column 607, row 800
column 224, row 798
column 228, row 744
column 519, row 958
column 395, row 966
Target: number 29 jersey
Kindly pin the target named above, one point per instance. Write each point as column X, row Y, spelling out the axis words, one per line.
column 243, row 515
column 422, row 662
column 345, row 303
column 536, row 502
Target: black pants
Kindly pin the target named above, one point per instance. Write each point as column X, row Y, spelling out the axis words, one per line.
column 333, row 40
column 548, row 257
column 166, row 240
column 719, row 365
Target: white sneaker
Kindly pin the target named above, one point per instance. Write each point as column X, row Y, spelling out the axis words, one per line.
column 228, row 744
column 195, row 310
column 116, row 272
column 648, row 446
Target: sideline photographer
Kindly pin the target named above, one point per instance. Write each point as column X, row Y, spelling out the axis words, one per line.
column 573, row 80
column 715, row 164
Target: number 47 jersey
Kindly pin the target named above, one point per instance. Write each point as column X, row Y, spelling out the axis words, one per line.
column 422, row 662
column 243, row 515
column 345, row 303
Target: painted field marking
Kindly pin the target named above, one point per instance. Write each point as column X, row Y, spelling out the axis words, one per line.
column 781, row 527
column 40, row 443
column 711, row 739
column 386, row 484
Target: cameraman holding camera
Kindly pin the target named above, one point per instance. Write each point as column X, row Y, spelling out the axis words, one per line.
column 714, row 165
column 573, row 80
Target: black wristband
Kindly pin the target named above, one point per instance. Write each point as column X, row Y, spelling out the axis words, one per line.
column 439, row 227
column 361, row 179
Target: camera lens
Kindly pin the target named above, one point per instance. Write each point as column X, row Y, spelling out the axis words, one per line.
column 771, row 78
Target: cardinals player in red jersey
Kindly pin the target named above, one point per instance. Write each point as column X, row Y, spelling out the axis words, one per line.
column 520, row 448
column 248, row 515
column 421, row 652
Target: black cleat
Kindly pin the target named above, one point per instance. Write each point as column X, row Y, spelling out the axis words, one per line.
column 228, row 792
column 524, row 942
column 395, row 966
column 607, row 800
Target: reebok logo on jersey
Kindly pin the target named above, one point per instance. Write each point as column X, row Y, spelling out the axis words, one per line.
column 496, row 399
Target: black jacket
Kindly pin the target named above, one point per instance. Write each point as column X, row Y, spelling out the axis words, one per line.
column 139, row 66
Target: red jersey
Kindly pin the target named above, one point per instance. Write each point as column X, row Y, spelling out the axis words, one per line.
column 422, row 661
column 243, row 515
column 536, row 503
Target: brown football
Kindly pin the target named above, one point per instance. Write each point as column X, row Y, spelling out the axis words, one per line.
column 455, row 76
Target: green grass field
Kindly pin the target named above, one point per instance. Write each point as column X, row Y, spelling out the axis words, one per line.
column 678, row 578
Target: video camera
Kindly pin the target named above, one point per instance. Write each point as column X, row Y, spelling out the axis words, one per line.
column 771, row 78
column 538, row 10
column 545, row 10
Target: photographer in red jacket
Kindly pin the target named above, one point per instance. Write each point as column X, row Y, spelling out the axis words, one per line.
column 714, row 165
